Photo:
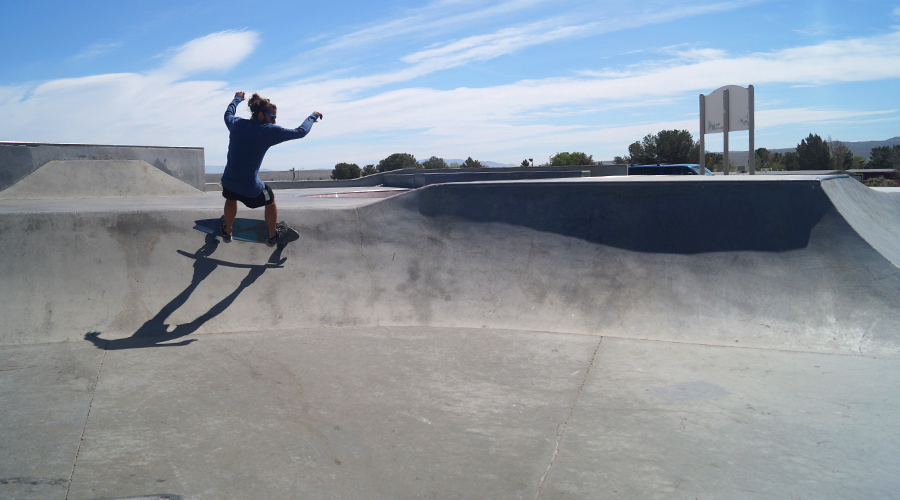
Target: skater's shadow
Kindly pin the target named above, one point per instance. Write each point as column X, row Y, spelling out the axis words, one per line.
column 155, row 332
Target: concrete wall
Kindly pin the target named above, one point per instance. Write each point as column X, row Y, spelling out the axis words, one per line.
column 20, row 159
column 420, row 179
column 482, row 174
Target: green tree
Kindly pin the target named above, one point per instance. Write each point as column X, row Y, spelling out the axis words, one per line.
column 842, row 160
column 667, row 146
column 841, row 156
column 397, row 161
column 813, row 153
column 766, row 159
column 346, row 171
column 470, row 163
column 858, row 162
column 714, row 161
column 675, row 146
column 791, row 161
column 435, row 163
column 576, row 158
column 884, row 157
column 524, row 163
column 761, row 158
column 648, row 146
column 620, row 160
column 638, row 153
column 368, row 170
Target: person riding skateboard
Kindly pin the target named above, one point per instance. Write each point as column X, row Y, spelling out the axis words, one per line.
column 248, row 142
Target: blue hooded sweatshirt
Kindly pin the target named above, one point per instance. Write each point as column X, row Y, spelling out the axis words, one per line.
column 248, row 142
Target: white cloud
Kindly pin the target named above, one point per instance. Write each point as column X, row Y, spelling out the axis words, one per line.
column 702, row 54
column 861, row 59
column 95, row 50
column 129, row 108
column 14, row 93
column 507, row 41
column 447, row 56
column 434, row 17
column 484, row 47
column 817, row 30
column 778, row 117
column 444, row 17
column 162, row 107
column 216, row 52
column 485, row 118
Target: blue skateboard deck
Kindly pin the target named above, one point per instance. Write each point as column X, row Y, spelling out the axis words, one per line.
column 252, row 230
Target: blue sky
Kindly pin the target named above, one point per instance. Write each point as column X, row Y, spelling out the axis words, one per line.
column 495, row 80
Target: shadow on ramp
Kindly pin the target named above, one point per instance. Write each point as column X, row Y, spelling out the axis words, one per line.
column 655, row 217
column 155, row 332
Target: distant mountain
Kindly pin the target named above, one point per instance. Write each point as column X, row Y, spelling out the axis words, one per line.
column 861, row 148
column 483, row 162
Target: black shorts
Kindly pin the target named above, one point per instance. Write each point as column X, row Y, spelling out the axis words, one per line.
column 267, row 197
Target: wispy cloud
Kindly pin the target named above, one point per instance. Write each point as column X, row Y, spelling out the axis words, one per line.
column 490, row 46
column 127, row 107
column 484, row 117
column 702, row 54
column 816, row 30
column 860, row 59
column 95, row 50
column 149, row 107
column 443, row 18
column 435, row 17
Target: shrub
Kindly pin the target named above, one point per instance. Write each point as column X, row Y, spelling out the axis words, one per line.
column 435, row 163
column 881, row 182
column 346, row 171
column 397, row 161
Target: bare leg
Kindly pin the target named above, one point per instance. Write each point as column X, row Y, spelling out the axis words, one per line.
column 230, row 214
column 271, row 218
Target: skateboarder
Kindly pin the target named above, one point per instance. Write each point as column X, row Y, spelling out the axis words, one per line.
column 247, row 145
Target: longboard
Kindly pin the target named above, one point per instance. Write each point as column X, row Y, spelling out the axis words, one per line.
column 252, row 230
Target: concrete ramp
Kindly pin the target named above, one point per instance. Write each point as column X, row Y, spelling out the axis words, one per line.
column 764, row 263
column 88, row 179
column 592, row 338
column 872, row 214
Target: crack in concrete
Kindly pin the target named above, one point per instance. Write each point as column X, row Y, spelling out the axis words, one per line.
column 560, row 435
column 88, row 416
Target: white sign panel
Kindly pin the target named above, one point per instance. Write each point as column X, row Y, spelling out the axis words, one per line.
column 739, row 109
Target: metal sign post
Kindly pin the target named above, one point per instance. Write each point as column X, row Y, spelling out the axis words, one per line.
column 751, row 158
column 702, row 135
column 728, row 108
column 726, row 166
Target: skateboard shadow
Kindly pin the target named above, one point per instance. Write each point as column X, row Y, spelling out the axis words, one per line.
column 155, row 332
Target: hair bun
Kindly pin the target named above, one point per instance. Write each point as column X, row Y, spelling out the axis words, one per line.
column 257, row 104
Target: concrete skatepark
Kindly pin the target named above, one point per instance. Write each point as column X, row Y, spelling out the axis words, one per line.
column 592, row 337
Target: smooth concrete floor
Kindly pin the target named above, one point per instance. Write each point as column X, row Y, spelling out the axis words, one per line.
column 444, row 413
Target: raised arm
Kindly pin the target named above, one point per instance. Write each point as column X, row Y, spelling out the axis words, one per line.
column 232, row 109
column 307, row 124
column 280, row 134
